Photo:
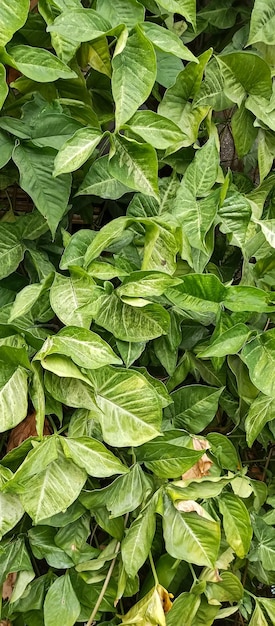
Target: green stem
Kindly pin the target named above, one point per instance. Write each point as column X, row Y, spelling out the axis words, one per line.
column 193, row 572
column 104, row 588
column 154, row 571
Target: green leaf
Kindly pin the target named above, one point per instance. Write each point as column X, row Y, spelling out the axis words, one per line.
column 202, row 173
column 269, row 606
column 28, row 296
column 165, row 459
column 236, row 523
column 262, row 22
column 38, row 64
column 239, row 298
column 4, row 90
column 99, row 181
column 167, row 41
column 84, row 347
column 155, row 129
column 183, row 610
column 198, row 292
column 38, row 398
column 12, row 17
column 195, row 216
column 135, row 165
column 146, row 284
column 61, row 594
column 76, row 150
column 259, row 356
column 229, row 342
column 175, row 104
column 49, row 195
column 129, row 323
column 80, row 25
column 243, row 130
column 67, row 295
column 195, row 406
column 11, row 509
column 76, row 248
column 128, row 12
column 70, row 391
column 131, row 403
column 228, row 589
column 258, row 618
column 130, row 88
column 92, row 456
column 12, row 249
column 235, row 214
column 265, row 547
column 261, row 411
column 138, row 540
column 186, row 8
column 13, row 397
column 42, row 542
column 224, row 451
column 245, row 72
column 107, row 235
column 190, row 537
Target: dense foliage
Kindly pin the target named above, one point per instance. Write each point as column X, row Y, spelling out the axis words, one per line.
column 140, row 345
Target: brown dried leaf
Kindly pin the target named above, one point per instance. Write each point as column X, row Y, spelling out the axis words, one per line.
column 24, row 430
column 202, row 467
column 5, row 622
column 187, row 506
column 8, row 586
column 165, row 597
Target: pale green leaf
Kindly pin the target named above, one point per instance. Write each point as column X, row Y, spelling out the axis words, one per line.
column 137, row 542
column 131, row 403
column 155, row 129
column 68, row 295
column 12, row 249
column 129, row 323
column 259, row 356
column 261, row 411
column 258, row 618
column 135, row 165
column 92, row 456
column 262, row 22
column 13, row 398
column 76, row 150
column 84, row 347
column 190, row 537
column 12, row 17
column 99, row 181
column 236, row 523
column 167, row 41
column 130, row 87
column 52, row 490
column 38, row 64
column 128, row 12
column 80, row 25
column 186, row 8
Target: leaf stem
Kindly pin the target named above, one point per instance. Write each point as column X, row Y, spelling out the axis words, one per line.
column 154, row 571
column 104, row 588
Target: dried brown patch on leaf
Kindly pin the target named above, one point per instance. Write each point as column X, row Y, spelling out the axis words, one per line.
column 202, row 467
column 188, row 506
column 24, row 430
column 165, row 597
column 8, row 586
